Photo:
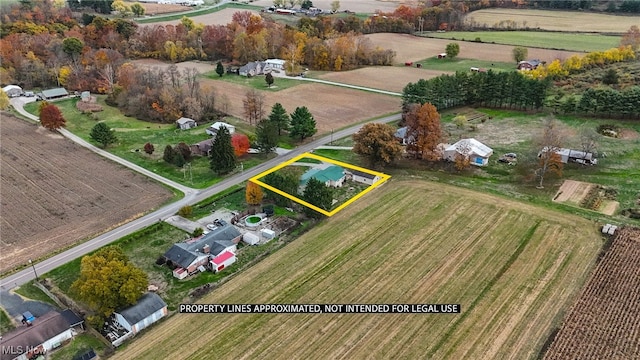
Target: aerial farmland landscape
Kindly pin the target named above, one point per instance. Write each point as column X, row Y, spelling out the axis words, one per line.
column 320, row 179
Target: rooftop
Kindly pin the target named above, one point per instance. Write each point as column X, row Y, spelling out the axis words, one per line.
column 146, row 305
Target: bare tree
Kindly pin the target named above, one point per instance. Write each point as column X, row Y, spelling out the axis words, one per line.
column 191, row 79
column 253, row 106
column 548, row 144
column 589, row 140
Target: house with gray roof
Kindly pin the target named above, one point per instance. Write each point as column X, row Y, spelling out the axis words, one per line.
column 185, row 123
column 149, row 309
column 362, row 177
column 45, row 333
column 192, row 254
column 252, row 69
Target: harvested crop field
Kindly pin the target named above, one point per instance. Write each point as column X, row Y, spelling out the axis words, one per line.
column 512, row 267
column 413, row 48
column 390, row 78
column 333, row 107
column 605, row 321
column 55, row 193
column 571, row 21
column 156, row 9
column 572, row 192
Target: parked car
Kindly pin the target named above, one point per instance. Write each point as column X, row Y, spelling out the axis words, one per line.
column 211, row 227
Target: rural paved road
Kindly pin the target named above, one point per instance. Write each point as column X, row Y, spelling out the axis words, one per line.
column 191, row 196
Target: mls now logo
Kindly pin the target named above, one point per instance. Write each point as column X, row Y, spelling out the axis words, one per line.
column 18, row 350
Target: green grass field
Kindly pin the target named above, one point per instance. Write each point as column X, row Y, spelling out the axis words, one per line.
column 461, row 64
column 30, row 291
column 5, row 322
column 547, row 40
column 205, row 11
column 512, row 267
column 256, row 82
column 78, row 346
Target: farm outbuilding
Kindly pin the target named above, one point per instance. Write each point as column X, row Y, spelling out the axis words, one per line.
column 222, row 261
column 442, row 55
column 268, row 234
column 333, row 176
column 477, row 152
column 363, row 177
column 577, row 156
column 186, row 123
column 12, row 90
column 213, row 129
column 149, row 309
column 250, row 238
column 51, row 94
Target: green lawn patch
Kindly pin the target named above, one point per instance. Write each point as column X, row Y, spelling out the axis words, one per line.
column 257, row 82
column 346, row 156
column 461, row 64
column 548, row 40
column 29, row 290
column 78, row 346
column 5, row 322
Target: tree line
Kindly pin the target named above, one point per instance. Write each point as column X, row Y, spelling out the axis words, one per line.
column 489, row 89
column 605, row 102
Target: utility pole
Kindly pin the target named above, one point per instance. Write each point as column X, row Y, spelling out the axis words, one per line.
column 34, row 270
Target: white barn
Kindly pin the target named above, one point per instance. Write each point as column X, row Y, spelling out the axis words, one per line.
column 213, row 129
column 12, row 90
column 363, row 177
column 149, row 309
column 186, row 123
column 477, row 152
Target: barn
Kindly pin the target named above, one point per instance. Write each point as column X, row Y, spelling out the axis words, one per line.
column 363, row 177
column 12, row 90
column 250, row 238
column 222, row 261
column 149, row 309
column 477, row 152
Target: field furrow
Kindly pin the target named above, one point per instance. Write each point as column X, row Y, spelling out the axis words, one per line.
column 409, row 242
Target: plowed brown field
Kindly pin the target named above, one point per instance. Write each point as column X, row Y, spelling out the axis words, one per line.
column 55, row 193
column 512, row 267
column 605, row 321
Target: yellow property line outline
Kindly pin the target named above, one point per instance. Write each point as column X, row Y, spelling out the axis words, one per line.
column 383, row 179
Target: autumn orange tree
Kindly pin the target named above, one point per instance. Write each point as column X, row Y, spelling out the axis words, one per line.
column 253, row 194
column 240, row 144
column 377, row 143
column 51, row 117
column 424, row 130
column 631, row 38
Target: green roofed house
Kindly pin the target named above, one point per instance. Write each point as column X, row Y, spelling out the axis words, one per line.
column 331, row 176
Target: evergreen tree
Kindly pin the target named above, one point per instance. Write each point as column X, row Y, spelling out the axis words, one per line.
column 102, row 134
column 168, row 154
column 318, row 194
column 279, row 117
column 266, row 136
column 269, row 79
column 219, row 69
column 302, row 123
column 222, row 158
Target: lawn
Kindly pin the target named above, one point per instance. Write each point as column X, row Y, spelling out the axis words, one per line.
column 5, row 322
column 547, row 40
column 460, row 64
column 133, row 134
column 256, row 82
column 30, row 291
column 201, row 12
column 79, row 345
column 512, row 267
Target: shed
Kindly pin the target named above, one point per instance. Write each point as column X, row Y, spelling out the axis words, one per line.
column 477, row 152
column 213, row 129
column 12, row 90
column 186, row 123
column 274, row 64
column 268, row 234
column 72, row 318
column 250, row 238
column 364, row 177
column 149, row 309
column 223, row 260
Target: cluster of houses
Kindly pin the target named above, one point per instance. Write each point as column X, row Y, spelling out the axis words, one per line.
column 203, row 147
column 49, row 94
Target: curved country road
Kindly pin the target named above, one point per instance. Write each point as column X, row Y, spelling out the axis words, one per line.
column 191, row 196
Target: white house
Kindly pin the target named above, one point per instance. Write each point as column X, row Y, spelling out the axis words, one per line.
column 45, row 333
column 477, row 152
column 222, row 261
column 186, row 123
column 273, row 64
column 12, row 90
column 149, row 309
column 213, row 129
column 363, row 177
